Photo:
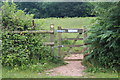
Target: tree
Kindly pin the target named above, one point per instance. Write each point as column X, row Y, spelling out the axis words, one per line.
column 57, row 9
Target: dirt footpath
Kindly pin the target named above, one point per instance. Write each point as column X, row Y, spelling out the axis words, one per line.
column 73, row 68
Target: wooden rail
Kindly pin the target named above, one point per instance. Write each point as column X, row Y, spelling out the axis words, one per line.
column 48, row 43
column 51, row 32
column 72, row 38
column 73, row 52
column 76, row 45
column 35, row 31
column 73, row 46
column 73, row 59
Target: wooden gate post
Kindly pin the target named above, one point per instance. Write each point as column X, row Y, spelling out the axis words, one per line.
column 84, row 31
column 52, row 34
column 59, row 42
column 84, row 36
column 52, row 37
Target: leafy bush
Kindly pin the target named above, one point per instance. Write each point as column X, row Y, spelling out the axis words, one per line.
column 21, row 49
column 105, row 37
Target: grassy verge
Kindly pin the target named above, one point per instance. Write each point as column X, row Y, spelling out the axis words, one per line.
column 29, row 74
column 36, row 72
column 101, row 75
column 0, row 71
column 40, row 72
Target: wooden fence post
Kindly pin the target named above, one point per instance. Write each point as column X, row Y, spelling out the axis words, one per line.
column 59, row 42
column 33, row 24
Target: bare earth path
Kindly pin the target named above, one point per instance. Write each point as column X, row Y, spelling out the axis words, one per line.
column 73, row 68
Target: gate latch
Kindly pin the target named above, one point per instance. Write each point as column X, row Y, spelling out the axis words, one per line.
column 60, row 46
column 57, row 46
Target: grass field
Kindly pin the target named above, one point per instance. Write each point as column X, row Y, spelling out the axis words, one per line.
column 77, row 22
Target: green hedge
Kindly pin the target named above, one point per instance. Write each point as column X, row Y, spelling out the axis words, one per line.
column 21, row 49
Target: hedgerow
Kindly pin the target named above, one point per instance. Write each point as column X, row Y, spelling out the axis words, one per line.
column 105, row 37
column 21, row 49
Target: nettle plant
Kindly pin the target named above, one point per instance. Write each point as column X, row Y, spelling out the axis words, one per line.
column 21, row 49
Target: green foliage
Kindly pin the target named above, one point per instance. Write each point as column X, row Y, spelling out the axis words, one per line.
column 66, row 42
column 14, row 19
column 105, row 36
column 22, row 50
column 57, row 9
